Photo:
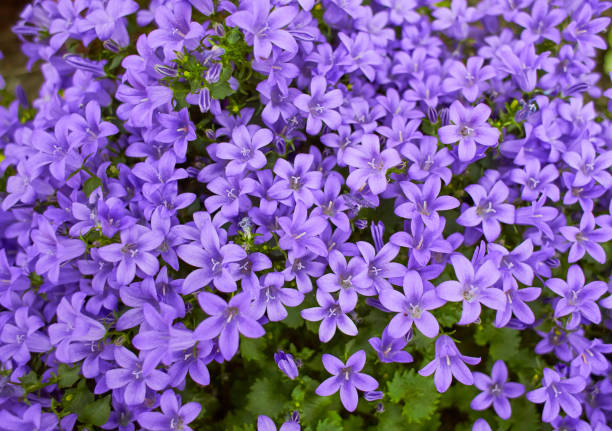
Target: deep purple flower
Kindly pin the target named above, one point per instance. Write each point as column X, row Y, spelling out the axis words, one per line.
column 174, row 416
column 472, row 288
column 412, row 307
column 347, row 378
column 331, row 315
column 496, row 390
column 489, row 209
column 469, row 128
column 320, row 106
column 228, row 320
column 449, row 362
column 558, row 393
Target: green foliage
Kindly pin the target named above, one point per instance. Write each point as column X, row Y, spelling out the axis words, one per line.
column 416, row 394
column 265, row 398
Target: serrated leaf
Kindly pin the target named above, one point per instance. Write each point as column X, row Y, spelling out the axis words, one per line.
column 328, row 425
column 67, row 376
column 91, row 184
column 417, row 393
column 265, row 398
column 252, row 349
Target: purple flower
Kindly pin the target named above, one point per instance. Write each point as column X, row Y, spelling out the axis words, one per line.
column 330, row 204
column 331, row 315
column 449, row 362
column 302, row 268
column 586, row 239
column 178, row 130
column 176, row 30
column 211, row 258
column 287, row 365
column 301, row 234
column 577, row 299
column 412, row 307
column 496, row 390
column 536, row 180
column 298, row 181
column 174, row 416
column 472, row 288
column 107, row 21
column 469, row 79
column 557, row 393
column 350, row 279
column 489, row 209
column 53, row 251
column 589, row 166
column 134, row 374
column 264, row 423
column 370, row 164
column 264, row 28
column 424, row 203
column 227, row 321
column 273, row 297
column 541, row 23
column 244, row 150
column 427, row 160
column 379, row 264
column 22, row 337
column 390, row 349
column 320, row 106
column 469, row 128
column 135, row 249
column 346, row 378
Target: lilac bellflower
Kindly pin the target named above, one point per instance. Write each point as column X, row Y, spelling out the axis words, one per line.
column 347, row 378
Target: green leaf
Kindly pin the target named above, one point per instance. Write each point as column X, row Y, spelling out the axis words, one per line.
column 96, row 413
column 77, row 400
column 266, row 397
column 220, row 90
column 67, row 376
column 91, row 184
column 328, row 425
column 418, row 394
column 252, row 349
column 293, row 319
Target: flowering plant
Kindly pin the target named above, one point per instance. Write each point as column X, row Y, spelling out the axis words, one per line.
column 211, row 206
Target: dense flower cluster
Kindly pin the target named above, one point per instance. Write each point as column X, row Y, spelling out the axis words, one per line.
column 387, row 174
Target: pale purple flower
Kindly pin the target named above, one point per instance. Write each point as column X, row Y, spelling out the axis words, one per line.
column 347, row 378
column 412, row 307
column 473, row 288
column 469, row 127
column 370, row 164
column 350, row 279
column 320, row 106
column 332, row 316
column 449, row 362
column 228, row 320
column 558, row 393
column 496, row 390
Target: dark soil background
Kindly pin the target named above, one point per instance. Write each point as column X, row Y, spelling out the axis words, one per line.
column 13, row 65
